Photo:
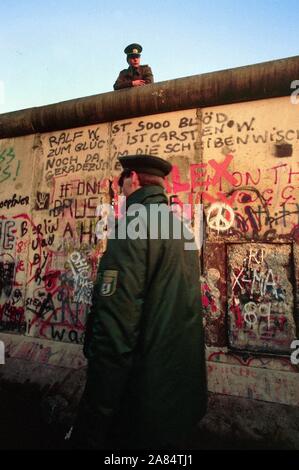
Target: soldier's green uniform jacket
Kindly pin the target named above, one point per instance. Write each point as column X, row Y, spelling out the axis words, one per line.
column 144, row 338
column 126, row 76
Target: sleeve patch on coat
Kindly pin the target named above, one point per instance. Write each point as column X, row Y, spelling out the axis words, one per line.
column 108, row 282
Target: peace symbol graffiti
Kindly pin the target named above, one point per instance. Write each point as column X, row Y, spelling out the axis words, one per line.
column 220, row 216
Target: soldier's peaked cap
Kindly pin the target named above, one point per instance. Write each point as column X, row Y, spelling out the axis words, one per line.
column 149, row 164
column 133, row 49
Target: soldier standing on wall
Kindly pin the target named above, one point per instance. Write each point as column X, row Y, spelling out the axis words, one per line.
column 136, row 74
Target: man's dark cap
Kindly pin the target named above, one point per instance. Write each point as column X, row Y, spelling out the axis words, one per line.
column 149, row 164
column 133, row 50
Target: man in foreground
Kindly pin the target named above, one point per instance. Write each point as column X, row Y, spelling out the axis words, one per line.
column 146, row 381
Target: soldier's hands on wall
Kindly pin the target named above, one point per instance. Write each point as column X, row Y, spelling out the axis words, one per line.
column 138, row 82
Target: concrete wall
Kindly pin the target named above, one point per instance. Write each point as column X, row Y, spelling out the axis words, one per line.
column 239, row 160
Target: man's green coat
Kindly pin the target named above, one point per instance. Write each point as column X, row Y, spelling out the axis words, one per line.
column 126, row 76
column 144, row 339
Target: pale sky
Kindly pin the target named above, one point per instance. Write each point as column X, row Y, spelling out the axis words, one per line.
column 56, row 50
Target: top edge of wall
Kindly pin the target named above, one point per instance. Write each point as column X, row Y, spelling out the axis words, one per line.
column 247, row 83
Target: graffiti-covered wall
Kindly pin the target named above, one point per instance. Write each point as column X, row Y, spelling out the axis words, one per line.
column 239, row 160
